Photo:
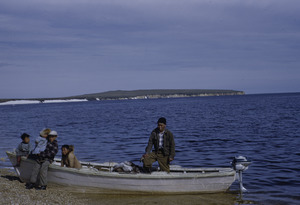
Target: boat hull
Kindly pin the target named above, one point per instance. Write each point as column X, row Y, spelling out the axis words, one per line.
column 179, row 180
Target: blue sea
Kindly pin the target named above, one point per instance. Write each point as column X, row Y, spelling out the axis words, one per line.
column 208, row 131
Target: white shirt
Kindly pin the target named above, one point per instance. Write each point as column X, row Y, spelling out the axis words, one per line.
column 161, row 139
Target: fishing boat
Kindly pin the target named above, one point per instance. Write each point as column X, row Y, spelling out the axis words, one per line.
column 93, row 176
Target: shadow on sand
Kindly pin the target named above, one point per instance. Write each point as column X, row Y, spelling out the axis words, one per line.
column 11, row 178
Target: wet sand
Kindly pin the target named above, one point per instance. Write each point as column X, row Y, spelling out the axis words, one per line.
column 12, row 191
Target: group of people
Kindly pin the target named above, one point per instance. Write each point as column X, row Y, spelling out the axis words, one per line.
column 46, row 148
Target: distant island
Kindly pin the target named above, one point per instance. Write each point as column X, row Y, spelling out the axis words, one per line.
column 159, row 93
column 136, row 94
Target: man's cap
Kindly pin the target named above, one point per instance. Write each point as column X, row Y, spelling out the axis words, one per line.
column 53, row 133
column 162, row 120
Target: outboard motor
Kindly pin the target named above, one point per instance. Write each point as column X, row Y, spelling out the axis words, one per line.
column 240, row 164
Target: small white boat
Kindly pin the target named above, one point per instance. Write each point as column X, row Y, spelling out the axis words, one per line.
column 101, row 177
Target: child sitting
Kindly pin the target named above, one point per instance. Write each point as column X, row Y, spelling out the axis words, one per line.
column 24, row 148
column 68, row 158
column 41, row 141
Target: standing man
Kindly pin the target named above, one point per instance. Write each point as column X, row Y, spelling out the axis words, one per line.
column 164, row 147
column 40, row 167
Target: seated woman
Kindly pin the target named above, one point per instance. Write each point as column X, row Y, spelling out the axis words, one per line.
column 68, row 158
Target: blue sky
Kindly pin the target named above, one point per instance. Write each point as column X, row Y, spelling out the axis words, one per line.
column 70, row 47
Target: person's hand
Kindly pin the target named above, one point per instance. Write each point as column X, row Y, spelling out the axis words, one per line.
column 143, row 157
column 171, row 159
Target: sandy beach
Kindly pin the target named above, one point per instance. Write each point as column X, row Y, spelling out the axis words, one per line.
column 12, row 191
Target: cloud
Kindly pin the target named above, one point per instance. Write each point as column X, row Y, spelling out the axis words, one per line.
column 82, row 39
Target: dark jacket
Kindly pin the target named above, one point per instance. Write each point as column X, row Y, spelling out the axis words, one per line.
column 169, row 143
column 50, row 151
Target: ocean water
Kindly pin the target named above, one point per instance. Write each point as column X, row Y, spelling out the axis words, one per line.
column 209, row 132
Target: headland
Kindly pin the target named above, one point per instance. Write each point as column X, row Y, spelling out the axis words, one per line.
column 130, row 95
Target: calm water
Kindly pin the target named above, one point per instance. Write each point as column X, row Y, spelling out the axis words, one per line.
column 209, row 131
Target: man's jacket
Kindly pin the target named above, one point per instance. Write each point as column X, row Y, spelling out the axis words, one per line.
column 169, row 143
column 50, row 151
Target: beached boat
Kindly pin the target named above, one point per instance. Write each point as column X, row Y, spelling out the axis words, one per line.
column 100, row 176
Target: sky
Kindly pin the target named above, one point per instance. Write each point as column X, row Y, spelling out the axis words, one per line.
column 62, row 48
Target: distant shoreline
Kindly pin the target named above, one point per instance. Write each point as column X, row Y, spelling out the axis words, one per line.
column 128, row 95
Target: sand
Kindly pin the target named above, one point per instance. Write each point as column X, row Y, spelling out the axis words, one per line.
column 12, row 191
